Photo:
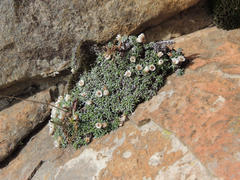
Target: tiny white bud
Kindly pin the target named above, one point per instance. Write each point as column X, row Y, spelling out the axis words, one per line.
column 141, row 38
column 121, row 124
column 119, row 37
column 175, row 60
column 51, row 128
column 181, row 58
column 107, row 56
column 128, row 73
column 67, row 97
column 160, row 54
column 88, row 102
column 105, row 92
column 83, row 94
column 104, row 125
column 123, row 118
column 146, row 69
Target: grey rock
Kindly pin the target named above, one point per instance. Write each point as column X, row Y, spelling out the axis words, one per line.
column 37, row 37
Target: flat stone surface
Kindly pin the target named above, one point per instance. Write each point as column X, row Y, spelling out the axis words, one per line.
column 38, row 151
column 202, row 106
column 37, row 37
column 190, row 130
column 19, row 120
column 147, row 152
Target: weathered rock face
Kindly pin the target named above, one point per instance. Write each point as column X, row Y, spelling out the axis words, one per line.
column 202, row 107
column 188, row 21
column 20, row 119
column 39, row 150
column 200, row 111
column 37, row 37
column 131, row 152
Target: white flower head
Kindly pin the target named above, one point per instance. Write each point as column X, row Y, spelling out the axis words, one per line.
column 181, row 58
column 81, row 83
column 139, row 67
column 107, row 56
column 160, row 54
column 98, row 125
column 146, row 69
column 128, row 73
column 133, row 59
column 83, row 94
column 88, row 102
column 106, row 92
column 152, row 67
column 51, row 128
column 119, row 37
column 67, row 97
column 160, row 62
column 141, row 38
column 175, row 60
column 98, row 93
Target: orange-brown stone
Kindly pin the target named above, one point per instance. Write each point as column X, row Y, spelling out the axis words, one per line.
column 17, row 121
column 202, row 106
column 190, row 130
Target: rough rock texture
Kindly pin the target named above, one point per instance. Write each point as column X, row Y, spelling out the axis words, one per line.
column 20, row 119
column 186, row 22
column 39, row 150
column 202, row 107
column 148, row 152
column 190, row 130
column 37, row 37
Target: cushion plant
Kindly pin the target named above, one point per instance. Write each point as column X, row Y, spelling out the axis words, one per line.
column 126, row 72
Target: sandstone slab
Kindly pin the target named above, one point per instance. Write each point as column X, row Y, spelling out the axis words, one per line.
column 19, row 120
column 147, row 152
column 39, row 150
column 202, row 106
column 37, row 37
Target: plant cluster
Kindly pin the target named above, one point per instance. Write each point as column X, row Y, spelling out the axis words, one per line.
column 127, row 71
column 226, row 14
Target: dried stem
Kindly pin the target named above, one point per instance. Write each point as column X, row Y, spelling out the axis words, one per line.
column 39, row 102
